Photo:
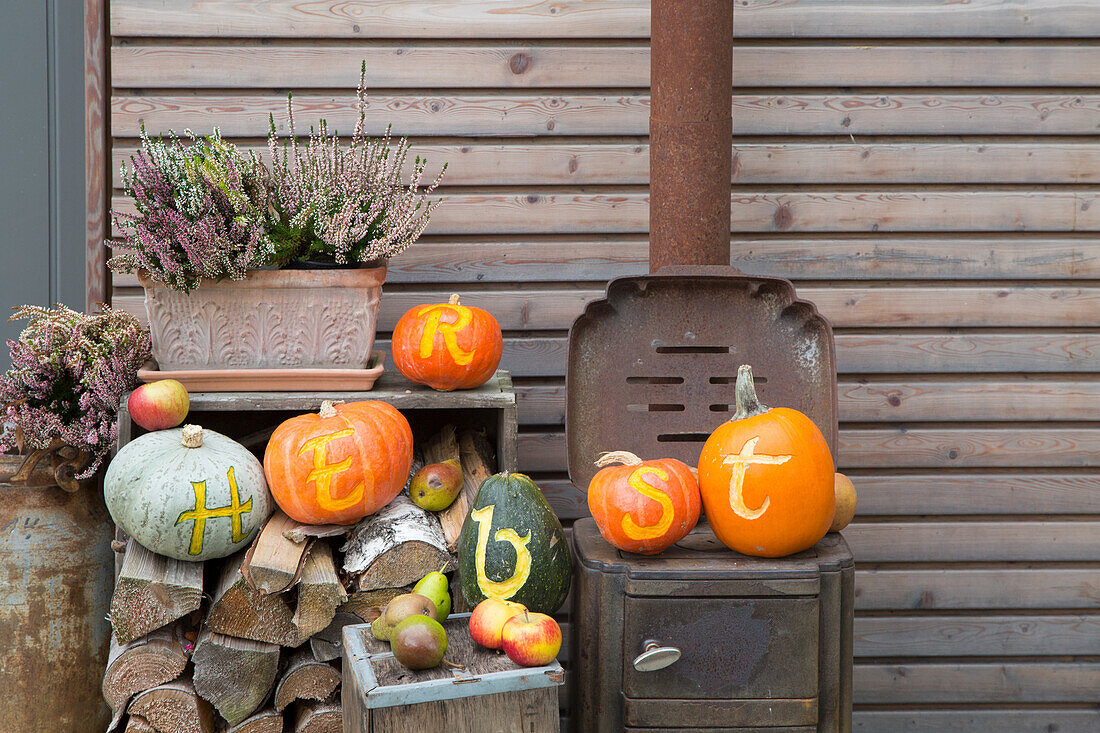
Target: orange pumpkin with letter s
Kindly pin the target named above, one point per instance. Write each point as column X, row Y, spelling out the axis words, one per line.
column 766, row 478
column 340, row 464
column 448, row 345
column 643, row 506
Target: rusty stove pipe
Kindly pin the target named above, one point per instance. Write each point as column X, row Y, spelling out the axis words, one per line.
column 690, row 131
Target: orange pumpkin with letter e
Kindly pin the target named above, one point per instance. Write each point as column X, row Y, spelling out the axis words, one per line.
column 338, row 465
column 447, row 346
column 643, row 506
column 766, row 478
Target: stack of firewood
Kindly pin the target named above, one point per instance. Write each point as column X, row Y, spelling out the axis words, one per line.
column 251, row 643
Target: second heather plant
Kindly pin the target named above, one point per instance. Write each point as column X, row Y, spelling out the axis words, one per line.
column 344, row 205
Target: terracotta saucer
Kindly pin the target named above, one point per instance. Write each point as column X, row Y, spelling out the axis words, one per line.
column 271, row 380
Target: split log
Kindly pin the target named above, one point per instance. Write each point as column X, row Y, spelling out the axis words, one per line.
column 237, row 609
column 235, row 675
column 274, row 562
column 154, row 659
column 305, row 678
column 320, row 592
column 327, row 645
column 314, row 717
column 152, row 591
column 265, row 721
column 174, row 707
column 397, row 546
column 477, row 461
column 301, row 532
column 368, row 604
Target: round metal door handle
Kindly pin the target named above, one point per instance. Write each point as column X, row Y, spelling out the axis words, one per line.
column 656, row 657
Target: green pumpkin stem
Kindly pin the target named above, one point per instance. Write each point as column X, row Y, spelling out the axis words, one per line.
column 746, row 403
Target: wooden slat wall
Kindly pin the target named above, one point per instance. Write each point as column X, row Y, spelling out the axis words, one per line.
column 926, row 170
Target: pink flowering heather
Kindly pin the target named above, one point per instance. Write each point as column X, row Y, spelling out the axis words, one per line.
column 202, row 212
column 68, row 375
column 347, row 204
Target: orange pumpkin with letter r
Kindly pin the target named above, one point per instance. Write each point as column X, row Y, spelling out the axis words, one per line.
column 447, row 346
column 643, row 506
column 338, row 465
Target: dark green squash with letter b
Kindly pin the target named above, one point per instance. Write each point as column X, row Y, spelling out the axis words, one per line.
column 512, row 546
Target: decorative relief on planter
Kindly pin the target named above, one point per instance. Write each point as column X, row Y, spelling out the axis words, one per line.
column 306, row 319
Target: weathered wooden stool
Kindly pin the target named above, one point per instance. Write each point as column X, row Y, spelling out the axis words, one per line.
column 479, row 690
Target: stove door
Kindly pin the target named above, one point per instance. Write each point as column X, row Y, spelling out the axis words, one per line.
column 731, row 649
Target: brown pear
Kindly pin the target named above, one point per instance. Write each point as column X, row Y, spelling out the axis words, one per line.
column 399, row 609
column 419, row 642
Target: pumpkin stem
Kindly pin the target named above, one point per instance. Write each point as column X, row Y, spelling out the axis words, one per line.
column 192, row 436
column 328, row 407
column 746, row 403
column 621, row 457
column 453, row 299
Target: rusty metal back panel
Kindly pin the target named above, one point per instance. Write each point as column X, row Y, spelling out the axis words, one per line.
column 652, row 365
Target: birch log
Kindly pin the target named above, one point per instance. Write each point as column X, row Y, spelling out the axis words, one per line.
column 397, row 546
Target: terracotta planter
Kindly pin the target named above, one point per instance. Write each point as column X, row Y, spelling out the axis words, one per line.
column 305, row 319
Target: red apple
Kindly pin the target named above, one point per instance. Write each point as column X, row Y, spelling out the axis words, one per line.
column 531, row 639
column 488, row 619
column 159, row 405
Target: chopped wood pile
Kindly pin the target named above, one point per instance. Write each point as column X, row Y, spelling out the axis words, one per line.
column 252, row 643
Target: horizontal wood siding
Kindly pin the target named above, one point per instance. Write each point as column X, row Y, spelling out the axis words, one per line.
column 926, row 171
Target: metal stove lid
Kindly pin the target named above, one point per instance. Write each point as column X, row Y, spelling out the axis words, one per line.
column 652, row 365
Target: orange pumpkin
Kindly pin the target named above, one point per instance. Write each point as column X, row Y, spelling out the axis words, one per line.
column 643, row 506
column 766, row 478
column 447, row 346
column 341, row 464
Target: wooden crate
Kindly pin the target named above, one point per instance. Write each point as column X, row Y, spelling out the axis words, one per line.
column 250, row 416
column 764, row 643
column 486, row 691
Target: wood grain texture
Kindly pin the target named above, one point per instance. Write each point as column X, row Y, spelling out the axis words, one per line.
column 1008, row 682
column 519, row 113
column 583, row 162
column 597, row 19
column 976, row 541
column 901, row 447
column 980, row 589
column 427, row 66
column 980, row 636
column 96, row 177
column 1024, row 720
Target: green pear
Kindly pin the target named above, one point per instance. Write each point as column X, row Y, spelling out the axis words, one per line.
column 435, row 586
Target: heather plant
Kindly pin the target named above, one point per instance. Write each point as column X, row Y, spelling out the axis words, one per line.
column 346, row 204
column 69, row 372
column 202, row 211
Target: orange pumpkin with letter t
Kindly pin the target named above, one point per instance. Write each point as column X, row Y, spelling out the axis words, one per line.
column 338, row 465
column 447, row 346
column 766, row 478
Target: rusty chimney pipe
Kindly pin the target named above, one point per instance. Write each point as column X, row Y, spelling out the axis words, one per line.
column 690, row 132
